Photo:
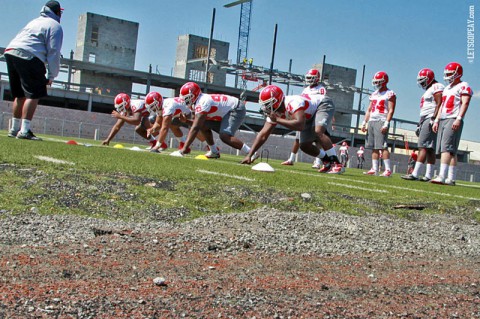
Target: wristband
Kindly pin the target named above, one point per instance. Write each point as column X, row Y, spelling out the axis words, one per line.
column 436, row 121
column 364, row 123
column 386, row 124
column 459, row 118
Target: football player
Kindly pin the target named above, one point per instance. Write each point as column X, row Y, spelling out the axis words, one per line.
column 218, row 112
column 298, row 113
column 449, row 122
column 378, row 116
column 171, row 113
column 316, row 93
column 429, row 106
column 344, row 153
column 312, row 80
column 360, row 157
column 132, row 112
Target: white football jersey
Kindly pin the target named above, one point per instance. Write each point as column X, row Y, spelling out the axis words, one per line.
column 360, row 153
column 216, row 106
column 379, row 104
column 317, row 89
column 427, row 102
column 174, row 106
column 343, row 149
column 315, row 94
column 452, row 99
column 138, row 106
column 293, row 103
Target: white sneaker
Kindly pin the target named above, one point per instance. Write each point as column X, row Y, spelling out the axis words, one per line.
column 316, row 165
column 449, row 182
column 336, row 169
column 211, row 154
column 371, row 172
column 387, row 173
column 438, row 180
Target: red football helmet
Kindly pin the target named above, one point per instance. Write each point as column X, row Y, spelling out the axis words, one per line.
column 380, row 80
column 344, row 143
column 362, row 148
column 154, row 102
column 122, row 102
column 312, row 77
column 452, row 72
column 425, row 77
column 271, row 97
column 189, row 92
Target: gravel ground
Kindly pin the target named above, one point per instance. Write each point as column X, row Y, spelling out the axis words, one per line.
column 260, row 264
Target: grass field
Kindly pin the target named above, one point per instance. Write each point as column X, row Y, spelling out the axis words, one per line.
column 52, row 177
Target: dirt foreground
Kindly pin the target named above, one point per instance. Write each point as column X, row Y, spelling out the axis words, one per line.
column 121, row 272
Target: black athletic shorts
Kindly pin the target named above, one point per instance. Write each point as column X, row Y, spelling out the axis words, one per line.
column 27, row 77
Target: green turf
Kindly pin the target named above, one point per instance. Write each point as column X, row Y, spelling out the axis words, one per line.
column 123, row 184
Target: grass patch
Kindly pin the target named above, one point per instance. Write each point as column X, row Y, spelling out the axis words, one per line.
column 123, row 184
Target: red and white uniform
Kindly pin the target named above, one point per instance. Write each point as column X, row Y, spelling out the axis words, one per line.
column 343, row 150
column 452, row 99
column 360, row 153
column 379, row 104
column 315, row 94
column 174, row 106
column 138, row 106
column 216, row 106
column 294, row 103
column 427, row 102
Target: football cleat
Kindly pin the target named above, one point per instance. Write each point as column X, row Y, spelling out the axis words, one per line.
column 163, row 147
column 152, row 144
column 410, row 177
column 371, row 172
column 449, row 182
column 336, row 168
column 326, row 168
column 28, row 136
column 438, row 180
column 387, row 173
column 425, row 179
column 287, row 162
column 187, row 151
column 13, row 133
column 316, row 165
column 211, row 154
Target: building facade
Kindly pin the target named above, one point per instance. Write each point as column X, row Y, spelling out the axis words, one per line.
column 190, row 61
column 107, row 41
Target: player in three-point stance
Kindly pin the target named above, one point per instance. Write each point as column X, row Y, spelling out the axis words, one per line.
column 298, row 113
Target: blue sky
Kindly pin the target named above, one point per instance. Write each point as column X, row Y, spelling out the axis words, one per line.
column 399, row 37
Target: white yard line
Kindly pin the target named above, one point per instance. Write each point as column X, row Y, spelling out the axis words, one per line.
column 358, row 187
column 53, row 160
column 352, row 180
column 226, row 175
